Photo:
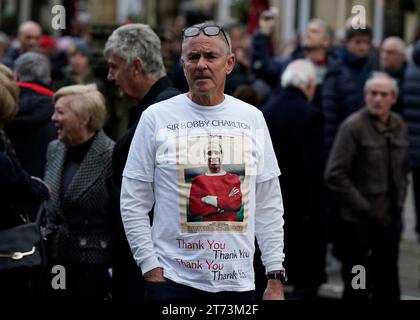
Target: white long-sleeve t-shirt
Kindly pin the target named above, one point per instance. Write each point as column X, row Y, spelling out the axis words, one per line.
column 168, row 151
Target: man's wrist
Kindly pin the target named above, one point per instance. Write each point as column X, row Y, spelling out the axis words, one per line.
column 154, row 275
column 277, row 275
column 274, row 290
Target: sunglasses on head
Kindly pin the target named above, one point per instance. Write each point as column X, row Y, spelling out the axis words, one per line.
column 210, row 31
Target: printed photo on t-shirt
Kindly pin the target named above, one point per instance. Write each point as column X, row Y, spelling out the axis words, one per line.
column 214, row 183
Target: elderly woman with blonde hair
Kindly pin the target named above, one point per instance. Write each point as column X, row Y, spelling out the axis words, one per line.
column 79, row 170
column 18, row 190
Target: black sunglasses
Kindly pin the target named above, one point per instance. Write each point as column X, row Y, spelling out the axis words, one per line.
column 210, row 31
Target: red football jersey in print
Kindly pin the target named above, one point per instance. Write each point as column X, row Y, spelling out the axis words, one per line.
column 227, row 189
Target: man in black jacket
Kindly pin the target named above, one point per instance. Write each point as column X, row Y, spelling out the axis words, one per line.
column 296, row 131
column 133, row 53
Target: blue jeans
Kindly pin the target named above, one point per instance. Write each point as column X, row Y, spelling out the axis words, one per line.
column 171, row 291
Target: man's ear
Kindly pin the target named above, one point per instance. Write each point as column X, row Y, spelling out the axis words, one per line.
column 395, row 98
column 138, row 65
column 183, row 66
column 230, row 63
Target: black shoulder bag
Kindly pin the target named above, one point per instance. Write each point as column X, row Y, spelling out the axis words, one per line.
column 22, row 246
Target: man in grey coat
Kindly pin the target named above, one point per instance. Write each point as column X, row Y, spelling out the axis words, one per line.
column 367, row 169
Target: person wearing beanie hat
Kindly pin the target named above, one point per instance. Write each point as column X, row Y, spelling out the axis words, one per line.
column 81, row 47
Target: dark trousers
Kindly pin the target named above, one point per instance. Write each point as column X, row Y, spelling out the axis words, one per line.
column 172, row 291
column 127, row 279
column 376, row 249
column 83, row 282
column 416, row 184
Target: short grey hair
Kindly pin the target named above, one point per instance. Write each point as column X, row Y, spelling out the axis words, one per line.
column 228, row 45
column 377, row 75
column 329, row 33
column 298, row 74
column 398, row 41
column 32, row 66
column 133, row 41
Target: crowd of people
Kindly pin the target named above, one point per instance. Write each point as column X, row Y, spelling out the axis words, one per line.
column 235, row 170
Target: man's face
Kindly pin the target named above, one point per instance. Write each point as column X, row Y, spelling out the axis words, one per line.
column 214, row 158
column 206, row 64
column 391, row 57
column 359, row 45
column 379, row 97
column 315, row 37
column 30, row 37
column 122, row 75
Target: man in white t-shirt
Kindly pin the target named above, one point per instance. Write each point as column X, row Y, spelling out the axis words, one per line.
column 186, row 258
